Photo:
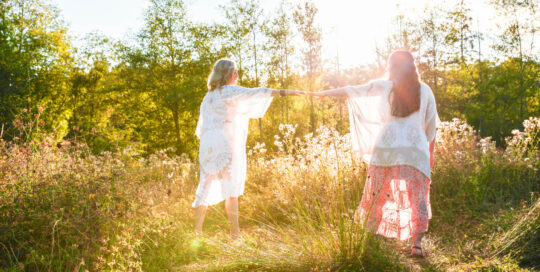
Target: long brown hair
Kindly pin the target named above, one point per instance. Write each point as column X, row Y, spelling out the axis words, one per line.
column 405, row 94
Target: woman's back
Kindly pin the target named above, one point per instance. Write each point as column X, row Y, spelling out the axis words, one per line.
column 386, row 140
column 222, row 129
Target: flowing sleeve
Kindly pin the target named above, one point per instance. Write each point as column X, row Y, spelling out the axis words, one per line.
column 432, row 118
column 358, row 91
column 368, row 107
column 251, row 102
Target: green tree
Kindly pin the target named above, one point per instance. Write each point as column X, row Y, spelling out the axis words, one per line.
column 35, row 62
column 458, row 33
column 280, row 49
column 497, row 105
column 99, row 115
column 244, row 27
column 517, row 41
column 163, row 74
column 305, row 18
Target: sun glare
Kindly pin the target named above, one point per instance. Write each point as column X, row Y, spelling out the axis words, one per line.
column 354, row 28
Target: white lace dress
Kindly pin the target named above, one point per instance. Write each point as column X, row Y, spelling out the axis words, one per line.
column 385, row 140
column 222, row 129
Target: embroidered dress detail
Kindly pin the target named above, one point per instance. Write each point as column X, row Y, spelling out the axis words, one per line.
column 214, row 156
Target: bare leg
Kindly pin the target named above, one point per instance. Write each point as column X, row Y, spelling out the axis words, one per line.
column 200, row 212
column 417, row 245
column 231, row 206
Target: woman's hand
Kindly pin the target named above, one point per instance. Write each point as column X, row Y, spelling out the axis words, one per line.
column 431, row 155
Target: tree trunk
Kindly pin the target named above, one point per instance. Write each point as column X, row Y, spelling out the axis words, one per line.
column 175, row 112
column 257, row 79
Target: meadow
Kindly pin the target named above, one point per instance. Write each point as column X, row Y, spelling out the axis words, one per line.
column 98, row 156
column 64, row 208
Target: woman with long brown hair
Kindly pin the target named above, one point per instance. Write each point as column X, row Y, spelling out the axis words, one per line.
column 393, row 126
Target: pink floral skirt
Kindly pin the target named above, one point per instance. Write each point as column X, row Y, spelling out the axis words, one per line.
column 395, row 202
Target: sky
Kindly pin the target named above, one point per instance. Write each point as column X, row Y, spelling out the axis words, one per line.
column 350, row 27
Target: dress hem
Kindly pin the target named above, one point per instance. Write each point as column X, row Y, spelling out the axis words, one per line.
column 195, row 204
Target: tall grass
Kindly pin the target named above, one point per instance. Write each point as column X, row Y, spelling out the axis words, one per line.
column 63, row 208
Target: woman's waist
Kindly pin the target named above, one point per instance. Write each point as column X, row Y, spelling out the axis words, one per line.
column 223, row 120
column 405, row 147
column 400, row 152
column 401, row 156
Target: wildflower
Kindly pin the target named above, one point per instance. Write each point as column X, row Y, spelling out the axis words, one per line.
column 91, row 196
column 40, row 109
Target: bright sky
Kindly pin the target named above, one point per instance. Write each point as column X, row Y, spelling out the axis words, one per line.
column 352, row 26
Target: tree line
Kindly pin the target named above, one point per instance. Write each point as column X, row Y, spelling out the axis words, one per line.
column 143, row 93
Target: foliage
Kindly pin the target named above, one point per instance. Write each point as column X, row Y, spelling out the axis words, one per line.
column 63, row 208
column 143, row 92
column 92, row 176
column 35, row 62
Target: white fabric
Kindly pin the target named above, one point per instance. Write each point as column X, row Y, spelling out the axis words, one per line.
column 222, row 129
column 385, row 140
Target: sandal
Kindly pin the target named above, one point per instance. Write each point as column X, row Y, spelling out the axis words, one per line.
column 415, row 250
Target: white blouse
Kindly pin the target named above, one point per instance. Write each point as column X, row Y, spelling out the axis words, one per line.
column 222, row 129
column 385, row 140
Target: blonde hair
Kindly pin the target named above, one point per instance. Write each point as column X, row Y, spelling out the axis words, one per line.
column 222, row 74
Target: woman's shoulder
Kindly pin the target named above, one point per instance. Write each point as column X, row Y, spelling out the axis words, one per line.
column 234, row 89
column 227, row 90
column 376, row 86
column 381, row 83
column 425, row 89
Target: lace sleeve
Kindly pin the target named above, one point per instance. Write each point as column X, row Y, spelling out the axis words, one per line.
column 250, row 102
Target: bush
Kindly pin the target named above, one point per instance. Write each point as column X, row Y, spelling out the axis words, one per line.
column 64, row 208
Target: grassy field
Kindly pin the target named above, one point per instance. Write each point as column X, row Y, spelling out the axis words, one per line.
column 63, row 208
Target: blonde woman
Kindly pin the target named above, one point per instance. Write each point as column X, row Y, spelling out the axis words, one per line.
column 222, row 129
column 393, row 126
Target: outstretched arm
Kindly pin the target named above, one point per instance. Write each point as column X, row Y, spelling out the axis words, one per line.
column 283, row 92
column 337, row 93
column 350, row 91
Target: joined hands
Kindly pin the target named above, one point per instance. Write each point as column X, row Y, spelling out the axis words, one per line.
column 336, row 93
column 284, row 92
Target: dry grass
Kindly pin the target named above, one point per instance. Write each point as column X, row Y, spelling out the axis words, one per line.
column 63, row 208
